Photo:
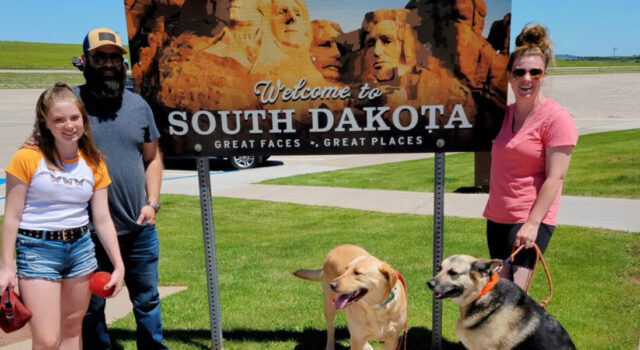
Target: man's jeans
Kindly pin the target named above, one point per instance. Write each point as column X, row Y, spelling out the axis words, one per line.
column 140, row 252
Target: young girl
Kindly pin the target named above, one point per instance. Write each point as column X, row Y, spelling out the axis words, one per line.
column 49, row 189
column 530, row 157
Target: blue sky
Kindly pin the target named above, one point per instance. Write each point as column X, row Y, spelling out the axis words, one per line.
column 578, row 27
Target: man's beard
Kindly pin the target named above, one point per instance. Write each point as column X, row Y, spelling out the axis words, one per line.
column 105, row 89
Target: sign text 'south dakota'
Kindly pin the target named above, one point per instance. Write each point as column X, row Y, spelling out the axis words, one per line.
column 403, row 118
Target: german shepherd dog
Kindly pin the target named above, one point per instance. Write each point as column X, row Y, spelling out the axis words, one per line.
column 495, row 313
column 369, row 290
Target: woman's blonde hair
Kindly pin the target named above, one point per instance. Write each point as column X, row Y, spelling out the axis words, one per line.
column 61, row 92
column 532, row 41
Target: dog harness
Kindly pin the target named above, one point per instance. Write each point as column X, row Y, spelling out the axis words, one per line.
column 489, row 286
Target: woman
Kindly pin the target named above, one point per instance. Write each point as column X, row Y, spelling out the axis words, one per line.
column 530, row 158
column 49, row 188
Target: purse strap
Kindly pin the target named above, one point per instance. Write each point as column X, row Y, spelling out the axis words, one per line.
column 7, row 300
column 8, row 307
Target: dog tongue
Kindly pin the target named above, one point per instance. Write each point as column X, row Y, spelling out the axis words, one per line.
column 341, row 301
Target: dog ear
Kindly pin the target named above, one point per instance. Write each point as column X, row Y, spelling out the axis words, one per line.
column 389, row 274
column 484, row 266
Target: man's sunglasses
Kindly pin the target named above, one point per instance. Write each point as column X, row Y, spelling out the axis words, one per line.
column 101, row 58
column 535, row 73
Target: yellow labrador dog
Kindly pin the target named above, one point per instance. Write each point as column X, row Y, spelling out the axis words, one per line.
column 370, row 291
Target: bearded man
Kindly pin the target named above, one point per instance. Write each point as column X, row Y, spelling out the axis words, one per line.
column 124, row 130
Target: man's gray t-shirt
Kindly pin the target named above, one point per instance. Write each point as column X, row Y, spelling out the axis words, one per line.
column 119, row 134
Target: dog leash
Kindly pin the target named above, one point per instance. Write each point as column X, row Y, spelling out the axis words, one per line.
column 406, row 322
column 539, row 257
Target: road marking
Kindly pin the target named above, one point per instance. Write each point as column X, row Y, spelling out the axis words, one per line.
column 211, row 173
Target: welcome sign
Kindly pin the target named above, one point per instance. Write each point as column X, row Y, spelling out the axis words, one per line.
column 252, row 77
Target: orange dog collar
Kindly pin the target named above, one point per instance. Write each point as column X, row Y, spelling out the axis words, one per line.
column 489, row 286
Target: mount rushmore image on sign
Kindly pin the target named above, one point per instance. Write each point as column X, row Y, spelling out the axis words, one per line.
column 252, row 77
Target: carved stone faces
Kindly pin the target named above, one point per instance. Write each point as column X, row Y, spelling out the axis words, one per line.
column 325, row 53
column 383, row 50
column 290, row 23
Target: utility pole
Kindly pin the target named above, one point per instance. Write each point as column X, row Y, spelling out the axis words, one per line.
column 614, row 51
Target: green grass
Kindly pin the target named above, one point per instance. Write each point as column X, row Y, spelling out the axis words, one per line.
column 264, row 307
column 606, row 165
column 27, row 55
column 38, row 80
column 602, row 165
column 564, row 67
column 593, row 70
column 259, row 244
column 588, row 63
column 24, row 55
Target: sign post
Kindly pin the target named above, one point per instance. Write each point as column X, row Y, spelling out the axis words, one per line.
column 208, row 233
column 438, row 241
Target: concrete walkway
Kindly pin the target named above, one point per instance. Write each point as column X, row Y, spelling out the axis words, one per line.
column 607, row 213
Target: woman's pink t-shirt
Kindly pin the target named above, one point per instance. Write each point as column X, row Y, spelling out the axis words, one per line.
column 518, row 163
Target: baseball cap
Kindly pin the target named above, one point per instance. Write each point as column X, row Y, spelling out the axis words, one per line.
column 101, row 37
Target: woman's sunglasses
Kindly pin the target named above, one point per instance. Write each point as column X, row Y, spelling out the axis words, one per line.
column 535, row 73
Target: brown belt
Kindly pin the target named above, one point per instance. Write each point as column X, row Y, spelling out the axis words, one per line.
column 65, row 235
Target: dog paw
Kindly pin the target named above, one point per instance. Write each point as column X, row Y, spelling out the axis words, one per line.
column 367, row 346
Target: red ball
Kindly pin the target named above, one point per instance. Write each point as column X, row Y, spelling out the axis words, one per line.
column 97, row 282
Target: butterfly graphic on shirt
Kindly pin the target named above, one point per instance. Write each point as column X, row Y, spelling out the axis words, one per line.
column 67, row 181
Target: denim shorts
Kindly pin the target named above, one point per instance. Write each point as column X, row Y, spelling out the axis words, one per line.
column 55, row 260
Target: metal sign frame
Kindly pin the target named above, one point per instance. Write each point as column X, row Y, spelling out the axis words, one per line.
column 208, row 233
column 438, row 244
column 211, row 264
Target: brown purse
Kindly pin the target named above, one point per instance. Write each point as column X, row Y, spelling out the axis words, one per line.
column 13, row 314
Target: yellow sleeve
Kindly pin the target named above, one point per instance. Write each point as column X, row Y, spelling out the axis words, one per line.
column 102, row 176
column 24, row 163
